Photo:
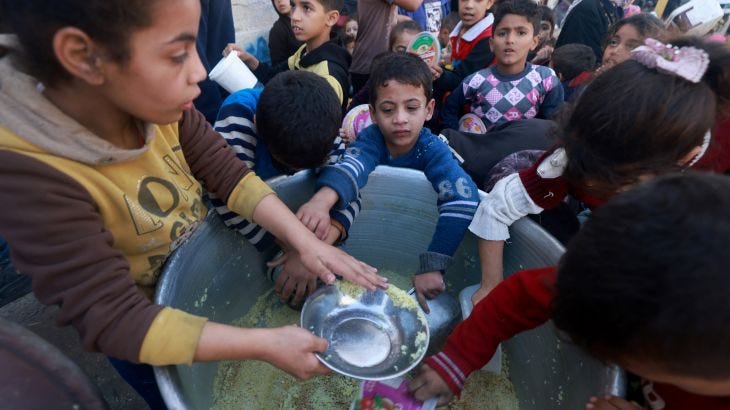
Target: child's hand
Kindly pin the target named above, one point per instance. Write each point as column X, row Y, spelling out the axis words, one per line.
column 436, row 71
column 323, row 260
column 543, row 54
column 292, row 349
column 346, row 136
column 294, row 282
column 429, row 384
column 244, row 55
column 316, row 217
column 428, row 285
column 611, row 403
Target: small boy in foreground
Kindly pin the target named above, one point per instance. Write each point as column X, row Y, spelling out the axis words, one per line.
column 400, row 102
column 511, row 89
column 643, row 285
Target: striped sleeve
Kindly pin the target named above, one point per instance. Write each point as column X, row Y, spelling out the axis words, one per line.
column 235, row 124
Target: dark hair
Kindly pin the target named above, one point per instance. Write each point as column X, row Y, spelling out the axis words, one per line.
column 450, row 21
column 298, row 117
column 108, row 22
column 573, row 59
column 524, row 8
column 330, row 5
column 646, row 278
column 633, row 120
column 546, row 14
column 400, row 28
column 646, row 24
column 404, row 68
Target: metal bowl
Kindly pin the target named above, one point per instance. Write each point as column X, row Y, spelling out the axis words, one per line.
column 370, row 337
column 218, row 274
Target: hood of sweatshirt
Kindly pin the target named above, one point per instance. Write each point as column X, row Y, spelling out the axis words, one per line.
column 26, row 112
column 330, row 51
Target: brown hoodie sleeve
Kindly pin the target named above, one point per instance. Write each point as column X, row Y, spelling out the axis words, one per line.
column 214, row 163
column 56, row 236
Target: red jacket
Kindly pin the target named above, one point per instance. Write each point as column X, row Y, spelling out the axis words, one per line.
column 522, row 302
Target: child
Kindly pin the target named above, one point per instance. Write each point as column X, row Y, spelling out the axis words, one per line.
column 272, row 132
column 541, row 55
column 351, row 27
column 312, row 23
column 631, row 123
column 400, row 37
column 573, row 63
column 400, row 102
column 512, row 89
column 282, row 42
column 103, row 164
column 447, row 26
column 643, row 285
column 626, row 35
column 470, row 50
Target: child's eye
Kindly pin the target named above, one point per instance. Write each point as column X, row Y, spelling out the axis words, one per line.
column 413, row 108
column 614, row 42
column 180, row 58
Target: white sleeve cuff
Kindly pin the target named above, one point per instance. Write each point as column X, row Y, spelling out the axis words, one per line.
column 507, row 202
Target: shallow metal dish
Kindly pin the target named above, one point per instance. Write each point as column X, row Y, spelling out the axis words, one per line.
column 369, row 336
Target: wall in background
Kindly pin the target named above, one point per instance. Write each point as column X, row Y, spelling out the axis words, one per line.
column 253, row 19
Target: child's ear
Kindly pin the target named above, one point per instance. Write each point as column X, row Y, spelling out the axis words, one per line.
column 429, row 109
column 78, row 54
column 372, row 114
column 332, row 17
column 535, row 42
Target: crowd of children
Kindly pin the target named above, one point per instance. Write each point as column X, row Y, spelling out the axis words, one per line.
column 96, row 104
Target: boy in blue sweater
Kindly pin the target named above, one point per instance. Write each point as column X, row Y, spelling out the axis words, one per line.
column 274, row 132
column 512, row 89
column 400, row 102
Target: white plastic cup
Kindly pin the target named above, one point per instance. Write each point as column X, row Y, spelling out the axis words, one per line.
column 232, row 74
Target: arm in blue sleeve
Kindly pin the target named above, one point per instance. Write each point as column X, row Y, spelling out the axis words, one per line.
column 351, row 173
column 458, row 199
column 452, row 107
column 552, row 101
column 235, row 124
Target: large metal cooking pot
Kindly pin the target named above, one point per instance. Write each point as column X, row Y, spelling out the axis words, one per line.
column 218, row 274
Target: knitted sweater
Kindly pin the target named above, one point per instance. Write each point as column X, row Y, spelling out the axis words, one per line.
column 236, row 124
column 458, row 196
column 92, row 224
column 498, row 98
column 519, row 303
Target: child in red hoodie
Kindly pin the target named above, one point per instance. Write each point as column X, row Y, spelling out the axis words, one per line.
column 470, row 49
column 644, row 285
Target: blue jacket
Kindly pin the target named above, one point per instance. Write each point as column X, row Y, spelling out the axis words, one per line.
column 458, row 196
column 235, row 124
